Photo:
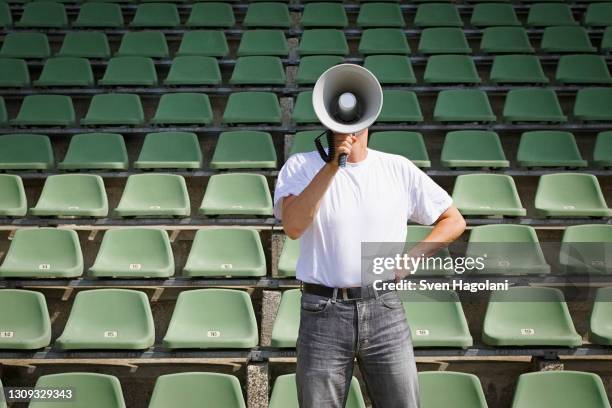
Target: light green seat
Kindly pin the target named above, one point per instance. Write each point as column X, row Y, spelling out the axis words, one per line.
column 14, row 73
column 129, row 71
column 311, row 67
column 134, row 253
column 550, row 14
column 263, row 42
column 252, row 107
column 600, row 327
column 493, row 15
column 304, row 141
column 72, row 195
column 529, row 316
column 267, row 14
column 114, row 109
column 85, row 44
column 549, row 148
column 284, row 393
column 13, row 202
column 147, row 195
column 258, row 70
column 380, row 15
column 390, row 69
column 109, row 319
column 26, row 326
column 400, row 106
column 194, row 70
column 570, row 195
column 6, row 19
column 598, row 15
column 211, row 15
column 95, row 151
column 183, row 109
column 212, row 318
column 606, row 41
column 446, row 388
column 585, row 249
column 90, row 390
column 324, row 15
column 566, row 39
column 463, row 105
column 66, row 71
column 408, row 144
column 204, row 43
column 533, row 105
column 417, row 233
column 99, row 15
column 162, row 15
column 323, row 41
column 443, row 40
column 451, row 69
column 487, row 195
column 437, row 15
column 512, row 69
column 45, row 110
column 383, row 41
column 43, row 14
column 505, row 40
column 473, row 148
column 143, row 44
column 193, row 390
column 43, row 253
column 602, row 152
column 593, row 104
column 3, row 113
column 583, row 69
column 25, row 45
column 287, row 261
column 303, row 110
column 244, row 149
column 287, row 322
column 237, row 194
column 25, row 152
column 170, row 150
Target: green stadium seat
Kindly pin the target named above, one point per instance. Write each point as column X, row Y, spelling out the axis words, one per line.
column 380, row 15
column 95, row 151
column 505, row 40
column 27, row 326
column 311, row 67
column 304, row 141
column 162, row 15
column 258, row 70
column 303, row 111
column 461, row 390
column 114, row 109
column 390, row 69
column 25, row 45
column 463, row 105
column 244, row 149
column 237, row 194
column 598, row 15
column 401, row 142
column 550, row 14
column 436, row 318
column 473, row 148
column 533, row 105
column 85, row 44
column 99, row 15
column 602, row 153
column 383, row 41
column 3, row 113
column 45, row 110
column 13, row 202
column 288, row 258
column 287, row 321
column 66, row 71
column 6, row 19
column 194, row 70
column 493, row 15
column 265, row 14
column 109, row 319
column 529, row 316
column 263, row 42
column 600, row 327
column 147, row 195
column 437, row 15
column 14, row 73
column 129, row 71
column 183, row 109
column 417, row 233
column 43, row 253
column 487, row 195
column 218, row 15
column 143, row 44
column 252, row 107
column 606, row 41
column 549, row 148
column 570, row 195
column 94, row 390
column 324, row 15
column 593, row 104
column 191, row 390
column 522, row 69
column 170, row 150
column 451, row 69
column 134, row 253
column 566, row 39
column 583, row 69
column 284, row 393
column 443, row 40
column 584, row 249
column 43, row 14
column 72, row 195
column 400, row 106
column 323, row 41
column 226, row 252
column 204, row 43
column 25, row 152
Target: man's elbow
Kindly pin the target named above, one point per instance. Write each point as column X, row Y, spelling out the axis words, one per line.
column 292, row 232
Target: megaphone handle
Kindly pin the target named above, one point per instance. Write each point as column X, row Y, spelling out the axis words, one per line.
column 342, row 160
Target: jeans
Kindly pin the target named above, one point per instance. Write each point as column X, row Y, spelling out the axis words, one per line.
column 333, row 333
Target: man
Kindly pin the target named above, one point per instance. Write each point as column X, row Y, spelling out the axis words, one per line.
column 333, row 210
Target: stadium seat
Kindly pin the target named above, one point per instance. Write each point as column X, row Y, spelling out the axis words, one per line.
column 66, row 71
column 505, row 40
column 45, row 110
column 258, row 70
column 170, row 150
column 217, row 15
column 147, row 195
column 25, row 45
column 324, row 15
column 244, row 149
column 287, row 261
column 511, row 69
column 99, row 15
column 598, row 15
column 43, row 253
column 417, row 233
column 287, row 321
column 437, row 15
column 383, row 41
column 25, row 152
column 183, row 109
column 212, row 318
column 27, row 326
column 487, row 195
column 323, row 41
column 529, row 316
column 150, row 44
column 493, row 15
column 311, row 67
column 129, row 71
column 473, row 148
column 85, row 44
column 556, row 389
column 566, row 39
column 267, row 14
column 3, row 113
column 95, row 151
column 162, row 15
column 303, row 110
column 237, row 194
column 549, row 148
column 593, row 104
column 193, row 70
column 550, row 14
column 304, row 141
column 114, row 109
column 93, row 390
column 252, row 107
column 226, row 252
column 533, row 105
column 192, row 390
column 284, row 393
column 390, row 69
column 6, row 19
column 584, row 249
column 443, row 40
column 109, row 319
column 72, row 195
column 600, row 327
column 203, row 43
column 583, row 69
column 400, row 106
column 380, row 15
column 461, row 390
column 408, row 144
column 602, row 153
column 606, row 41
column 14, row 73
column 13, row 202
column 43, row 14
column 463, row 105
column 436, row 318
column 570, row 195
column 451, row 69
column 263, row 42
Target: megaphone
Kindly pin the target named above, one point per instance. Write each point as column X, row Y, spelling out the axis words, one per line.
column 347, row 98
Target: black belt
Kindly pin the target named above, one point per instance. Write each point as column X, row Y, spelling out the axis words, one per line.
column 363, row 292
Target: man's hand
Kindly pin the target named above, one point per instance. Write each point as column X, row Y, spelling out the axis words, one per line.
column 344, row 144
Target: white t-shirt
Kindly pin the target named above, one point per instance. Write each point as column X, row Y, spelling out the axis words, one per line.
column 368, row 201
